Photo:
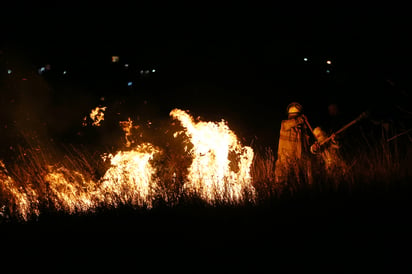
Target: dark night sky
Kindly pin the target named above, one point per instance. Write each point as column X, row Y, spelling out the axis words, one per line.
column 240, row 62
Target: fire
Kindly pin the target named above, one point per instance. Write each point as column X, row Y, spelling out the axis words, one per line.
column 129, row 179
column 127, row 127
column 97, row 115
column 21, row 200
column 218, row 170
column 212, row 174
column 69, row 191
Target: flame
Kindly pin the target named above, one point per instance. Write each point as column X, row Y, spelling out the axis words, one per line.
column 69, row 191
column 97, row 115
column 21, row 203
column 211, row 174
column 129, row 179
column 218, row 170
column 127, row 127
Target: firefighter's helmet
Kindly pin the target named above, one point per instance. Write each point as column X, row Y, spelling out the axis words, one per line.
column 294, row 108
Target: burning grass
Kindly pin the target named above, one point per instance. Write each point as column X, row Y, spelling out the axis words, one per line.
column 192, row 163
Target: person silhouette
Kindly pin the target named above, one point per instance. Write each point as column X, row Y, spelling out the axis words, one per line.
column 293, row 163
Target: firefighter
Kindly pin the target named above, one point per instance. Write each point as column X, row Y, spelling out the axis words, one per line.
column 332, row 163
column 293, row 163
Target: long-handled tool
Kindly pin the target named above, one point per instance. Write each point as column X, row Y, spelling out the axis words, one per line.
column 308, row 125
column 360, row 117
column 400, row 134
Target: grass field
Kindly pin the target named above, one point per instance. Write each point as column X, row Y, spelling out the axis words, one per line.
column 359, row 224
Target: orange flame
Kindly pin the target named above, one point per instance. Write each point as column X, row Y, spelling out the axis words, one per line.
column 211, row 174
column 21, row 203
column 219, row 172
column 127, row 127
column 129, row 180
column 69, row 191
column 97, row 115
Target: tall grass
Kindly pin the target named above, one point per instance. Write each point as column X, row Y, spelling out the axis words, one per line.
column 382, row 163
column 373, row 165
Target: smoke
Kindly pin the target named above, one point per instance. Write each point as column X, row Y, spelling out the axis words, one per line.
column 25, row 100
column 36, row 111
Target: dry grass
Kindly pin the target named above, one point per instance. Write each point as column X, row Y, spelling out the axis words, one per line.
column 376, row 165
column 373, row 163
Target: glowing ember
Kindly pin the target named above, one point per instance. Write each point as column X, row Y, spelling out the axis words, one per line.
column 97, row 115
column 212, row 174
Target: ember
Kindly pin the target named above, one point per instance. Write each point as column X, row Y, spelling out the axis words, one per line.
column 97, row 115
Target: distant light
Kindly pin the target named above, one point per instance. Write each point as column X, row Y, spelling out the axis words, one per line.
column 64, row 72
column 24, row 79
column 115, row 59
column 141, row 71
column 327, row 71
column 153, row 70
column 147, row 71
column 126, row 65
column 329, row 62
column 41, row 70
column 129, row 84
column 9, row 71
column 305, row 59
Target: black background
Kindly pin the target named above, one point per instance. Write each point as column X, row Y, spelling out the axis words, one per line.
column 240, row 62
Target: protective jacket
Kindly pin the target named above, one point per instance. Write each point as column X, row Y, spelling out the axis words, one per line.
column 293, row 158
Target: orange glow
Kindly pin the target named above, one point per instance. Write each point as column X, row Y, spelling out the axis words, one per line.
column 127, row 128
column 218, row 171
column 129, row 179
column 69, row 190
column 212, row 175
column 97, row 115
column 23, row 202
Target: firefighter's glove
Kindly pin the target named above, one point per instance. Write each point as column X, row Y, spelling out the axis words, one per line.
column 300, row 120
column 315, row 148
column 333, row 138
